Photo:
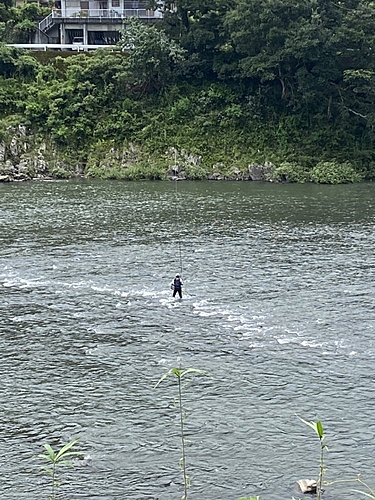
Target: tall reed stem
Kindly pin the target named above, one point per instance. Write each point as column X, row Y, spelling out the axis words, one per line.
column 183, row 449
column 180, row 374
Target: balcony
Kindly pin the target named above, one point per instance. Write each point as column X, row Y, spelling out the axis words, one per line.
column 75, row 15
column 105, row 13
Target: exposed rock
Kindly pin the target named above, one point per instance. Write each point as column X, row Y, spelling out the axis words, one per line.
column 190, row 159
column 7, row 168
column 13, row 147
column 23, row 166
column 307, row 486
column 183, row 162
column 22, row 130
column 25, row 157
column 216, row 176
column 183, row 158
column 114, row 157
column 261, row 172
column 173, row 172
column 239, row 175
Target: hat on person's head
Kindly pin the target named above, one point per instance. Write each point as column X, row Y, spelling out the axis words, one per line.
column 177, row 275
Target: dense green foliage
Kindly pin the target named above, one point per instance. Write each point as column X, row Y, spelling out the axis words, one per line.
column 240, row 82
column 18, row 23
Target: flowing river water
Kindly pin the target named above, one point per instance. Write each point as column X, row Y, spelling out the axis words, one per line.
column 278, row 309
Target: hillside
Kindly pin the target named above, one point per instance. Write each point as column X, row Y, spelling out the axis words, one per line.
column 206, row 92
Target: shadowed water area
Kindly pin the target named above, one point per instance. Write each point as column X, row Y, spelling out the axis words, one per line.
column 278, row 309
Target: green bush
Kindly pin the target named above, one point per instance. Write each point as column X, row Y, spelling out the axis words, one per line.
column 195, row 172
column 140, row 172
column 332, row 172
column 291, row 172
column 60, row 173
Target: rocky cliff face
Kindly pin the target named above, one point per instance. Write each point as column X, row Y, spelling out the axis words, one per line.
column 25, row 157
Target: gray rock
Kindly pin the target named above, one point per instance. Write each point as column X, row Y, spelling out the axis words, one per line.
column 184, row 157
column 23, row 166
column 307, row 486
column 13, row 147
column 2, row 152
column 215, row 177
column 8, row 167
column 22, row 130
column 260, row 172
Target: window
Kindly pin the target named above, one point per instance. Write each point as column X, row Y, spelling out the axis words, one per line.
column 115, row 3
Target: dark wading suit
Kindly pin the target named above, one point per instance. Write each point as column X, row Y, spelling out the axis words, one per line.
column 177, row 286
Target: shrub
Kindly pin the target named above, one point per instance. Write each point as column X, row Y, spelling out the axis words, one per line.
column 291, row 172
column 195, row 172
column 332, row 172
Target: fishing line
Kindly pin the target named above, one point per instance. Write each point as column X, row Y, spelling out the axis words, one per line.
column 178, row 228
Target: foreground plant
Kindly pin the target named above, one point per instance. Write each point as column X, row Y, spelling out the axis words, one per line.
column 319, row 431
column 57, row 459
column 370, row 493
column 180, row 374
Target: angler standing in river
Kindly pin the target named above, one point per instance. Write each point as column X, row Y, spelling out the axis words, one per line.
column 177, row 285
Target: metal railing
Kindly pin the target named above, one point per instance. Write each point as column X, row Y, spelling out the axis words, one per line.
column 142, row 13
column 60, row 46
column 103, row 13
column 97, row 13
column 46, row 23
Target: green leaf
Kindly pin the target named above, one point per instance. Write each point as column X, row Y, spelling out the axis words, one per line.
column 65, row 448
column 167, row 374
column 192, row 370
column 180, row 373
column 66, row 463
column 319, row 429
column 50, row 452
column 316, row 426
column 71, row 454
column 310, row 424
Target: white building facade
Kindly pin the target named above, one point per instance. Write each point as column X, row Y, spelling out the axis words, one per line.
column 91, row 22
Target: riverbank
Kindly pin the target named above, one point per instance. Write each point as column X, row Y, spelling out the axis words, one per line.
column 86, row 116
column 159, row 105
column 25, row 156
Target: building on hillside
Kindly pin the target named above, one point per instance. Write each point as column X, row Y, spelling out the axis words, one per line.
column 91, row 22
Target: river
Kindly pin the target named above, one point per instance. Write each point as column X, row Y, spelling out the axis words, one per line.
column 278, row 309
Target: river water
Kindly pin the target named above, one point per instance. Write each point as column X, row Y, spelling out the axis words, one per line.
column 278, row 309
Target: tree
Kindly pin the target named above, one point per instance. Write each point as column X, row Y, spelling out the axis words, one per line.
column 198, row 26
column 307, row 49
column 153, row 57
column 17, row 24
column 274, row 40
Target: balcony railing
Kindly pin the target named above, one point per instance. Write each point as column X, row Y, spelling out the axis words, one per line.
column 104, row 13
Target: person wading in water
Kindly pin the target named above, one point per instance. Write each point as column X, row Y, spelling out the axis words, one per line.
column 176, row 286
